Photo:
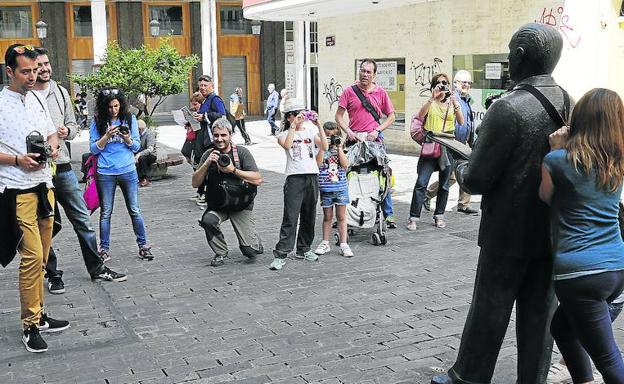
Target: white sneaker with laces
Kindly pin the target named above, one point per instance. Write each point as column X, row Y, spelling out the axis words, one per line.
column 558, row 374
column 323, row 248
column 345, row 250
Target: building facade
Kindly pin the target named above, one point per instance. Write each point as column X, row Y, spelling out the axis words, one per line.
column 414, row 39
column 214, row 30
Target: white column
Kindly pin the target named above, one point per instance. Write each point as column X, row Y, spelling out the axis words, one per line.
column 307, row 75
column 209, row 39
column 100, row 35
column 300, row 60
column 213, row 45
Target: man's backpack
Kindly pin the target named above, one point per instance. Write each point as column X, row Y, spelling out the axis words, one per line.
column 229, row 193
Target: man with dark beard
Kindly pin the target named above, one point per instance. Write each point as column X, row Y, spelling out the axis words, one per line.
column 59, row 104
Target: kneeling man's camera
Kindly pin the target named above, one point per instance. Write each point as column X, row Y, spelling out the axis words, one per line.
column 223, row 160
column 35, row 143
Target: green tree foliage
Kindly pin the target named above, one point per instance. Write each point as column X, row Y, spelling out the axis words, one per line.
column 155, row 73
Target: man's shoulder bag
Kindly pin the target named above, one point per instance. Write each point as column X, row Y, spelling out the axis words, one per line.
column 366, row 103
column 229, row 193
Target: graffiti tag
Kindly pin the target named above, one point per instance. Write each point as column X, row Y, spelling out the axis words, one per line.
column 561, row 20
column 424, row 73
column 332, row 92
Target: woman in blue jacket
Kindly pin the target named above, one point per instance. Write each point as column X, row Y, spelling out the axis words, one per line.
column 114, row 138
column 582, row 181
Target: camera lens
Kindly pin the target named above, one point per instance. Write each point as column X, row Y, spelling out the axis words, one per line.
column 223, row 160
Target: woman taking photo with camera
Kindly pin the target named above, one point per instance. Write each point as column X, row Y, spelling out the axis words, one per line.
column 114, row 137
column 582, row 182
column 439, row 113
column 301, row 140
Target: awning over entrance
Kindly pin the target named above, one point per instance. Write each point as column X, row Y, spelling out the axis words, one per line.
column 292, row 10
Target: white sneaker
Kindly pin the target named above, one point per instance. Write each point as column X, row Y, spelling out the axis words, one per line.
column 345, row 250
column 322, row 248
column 558, row 374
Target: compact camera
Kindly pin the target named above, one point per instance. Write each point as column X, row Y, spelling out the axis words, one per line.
column 124, row 129
column 334, row 140
column 310, row 115
column 224, row 160
column 446, row 90
column 35, row 143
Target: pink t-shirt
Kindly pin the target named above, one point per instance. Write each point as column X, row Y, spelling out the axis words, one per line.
column 360, row 120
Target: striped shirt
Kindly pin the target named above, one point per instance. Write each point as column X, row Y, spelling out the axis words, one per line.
column 332, row 177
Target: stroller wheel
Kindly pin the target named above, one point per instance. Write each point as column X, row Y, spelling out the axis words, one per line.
column 337, row 238
column 375, row 239
column 383, row 240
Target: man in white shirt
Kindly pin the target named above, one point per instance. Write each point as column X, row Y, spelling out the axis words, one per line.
column 26, row 195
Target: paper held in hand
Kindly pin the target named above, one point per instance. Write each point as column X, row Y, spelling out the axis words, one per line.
column 448, row 141
column 184, row 116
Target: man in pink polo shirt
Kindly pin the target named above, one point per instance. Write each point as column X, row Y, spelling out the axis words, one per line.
column 362, row 120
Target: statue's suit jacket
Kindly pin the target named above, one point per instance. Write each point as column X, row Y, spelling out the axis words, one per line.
column 505, row 167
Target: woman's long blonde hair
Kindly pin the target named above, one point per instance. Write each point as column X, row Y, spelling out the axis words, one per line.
column 596, row 141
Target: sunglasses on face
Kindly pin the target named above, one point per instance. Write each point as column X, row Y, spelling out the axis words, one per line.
column 23, row 48
column 110, row 92
column 443, row 82
column 465, row 82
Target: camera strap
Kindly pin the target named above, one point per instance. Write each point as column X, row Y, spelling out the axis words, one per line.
column 548, row 105
column 235, row 154
column 366, row 103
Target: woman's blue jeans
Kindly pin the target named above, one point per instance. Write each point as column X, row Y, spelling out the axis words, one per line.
column 425, row 169
column 129, row 184
column 582, row 323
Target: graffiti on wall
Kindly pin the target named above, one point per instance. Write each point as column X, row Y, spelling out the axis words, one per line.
column 332, row 92
column 558, row 18
column 423, row 74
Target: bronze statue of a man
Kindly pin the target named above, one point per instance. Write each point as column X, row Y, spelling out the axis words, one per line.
column 515, row 261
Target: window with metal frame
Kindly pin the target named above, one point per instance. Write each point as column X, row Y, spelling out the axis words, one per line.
column 16, row 22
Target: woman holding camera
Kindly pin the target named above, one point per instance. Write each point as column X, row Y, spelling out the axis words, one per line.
column 439, row 113
column 114, row 137
column 582, row 180
column 301, row 140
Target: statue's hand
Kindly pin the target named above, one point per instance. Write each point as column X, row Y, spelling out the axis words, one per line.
column 558, row 138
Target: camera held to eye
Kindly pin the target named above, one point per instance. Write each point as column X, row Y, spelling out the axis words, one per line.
column 224, row 160
column 446, row 90
column 124, row 129
column 310, row 115
column 35, row 143
column 334, row 140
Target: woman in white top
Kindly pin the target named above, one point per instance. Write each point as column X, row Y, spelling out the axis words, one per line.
column 301, row 139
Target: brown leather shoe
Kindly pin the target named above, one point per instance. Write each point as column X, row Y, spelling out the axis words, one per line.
column 144, row 183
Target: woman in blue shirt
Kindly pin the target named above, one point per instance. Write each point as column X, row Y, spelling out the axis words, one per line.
column 114, row 138
column 582, row 181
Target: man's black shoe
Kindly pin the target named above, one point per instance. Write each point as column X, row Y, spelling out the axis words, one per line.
column 468, row 211
column 55, row 285
column 33, row 340
column 217, row 261
column 108, row 274
column 48, row 324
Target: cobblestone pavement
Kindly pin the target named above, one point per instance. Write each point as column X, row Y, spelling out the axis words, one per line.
column 392, row 314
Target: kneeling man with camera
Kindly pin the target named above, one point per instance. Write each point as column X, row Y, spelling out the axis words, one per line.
column 231, row 178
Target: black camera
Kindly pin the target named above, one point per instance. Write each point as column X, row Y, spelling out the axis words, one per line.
column 124, row 129
column 35, row 143
column 334, row 140
column 224, row 160
column 446, row 90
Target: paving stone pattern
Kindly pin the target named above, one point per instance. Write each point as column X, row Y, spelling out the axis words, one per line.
column 391, row 314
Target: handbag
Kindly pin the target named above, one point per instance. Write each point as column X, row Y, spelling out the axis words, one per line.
column 90, row 194
column 431, row 150
column 416, row 129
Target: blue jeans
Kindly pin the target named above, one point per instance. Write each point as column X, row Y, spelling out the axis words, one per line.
column 69, row 195
column 582, row 323
column 387, row 207
column 129, row 184
column 425, row 169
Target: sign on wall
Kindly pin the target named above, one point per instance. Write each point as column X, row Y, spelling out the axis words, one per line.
column 386, row 74
column 330, row 41
column 493, row 71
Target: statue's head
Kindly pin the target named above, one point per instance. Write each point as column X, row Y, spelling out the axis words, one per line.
column 534, row 49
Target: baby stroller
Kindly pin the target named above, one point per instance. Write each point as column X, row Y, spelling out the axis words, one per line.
column 369, row 183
